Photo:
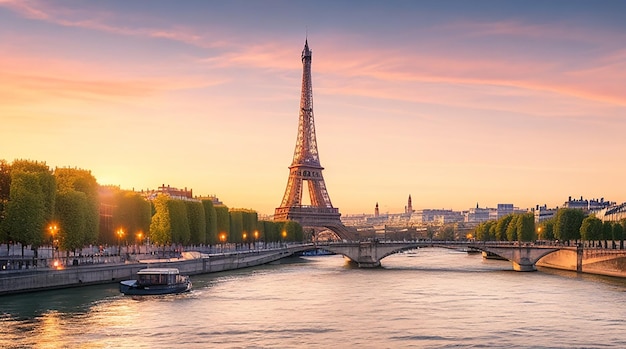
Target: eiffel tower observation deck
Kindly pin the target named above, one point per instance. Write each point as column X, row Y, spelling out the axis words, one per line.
column 306, row 171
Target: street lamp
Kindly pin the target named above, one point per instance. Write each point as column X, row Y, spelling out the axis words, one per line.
column 120, row 233
column 140, row 239
column 256, row 238
column 53, row 230
column 284, row 236
column 223, row 240
column 245, row 236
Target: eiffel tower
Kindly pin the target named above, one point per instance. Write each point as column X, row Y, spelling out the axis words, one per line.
column 306, row 169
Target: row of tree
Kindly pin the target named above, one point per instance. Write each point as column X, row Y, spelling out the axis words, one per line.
column 567, row 225
column 67, row 207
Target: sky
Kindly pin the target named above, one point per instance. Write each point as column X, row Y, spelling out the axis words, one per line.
column 456, row 103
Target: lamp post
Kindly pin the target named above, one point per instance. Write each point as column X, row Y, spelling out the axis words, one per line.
column 284, row 236
column 120, row 233
column 245, row 238
column 223, row 240
column 53, row 230
column 140, row 239
column 256, row 239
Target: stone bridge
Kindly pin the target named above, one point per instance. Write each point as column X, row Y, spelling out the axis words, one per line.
column 367, row 254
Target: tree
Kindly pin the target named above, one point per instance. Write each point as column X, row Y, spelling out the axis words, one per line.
column 618, row 233
column 197, row 222
column 71, row 210
column 179, row 222
column 271, row 231
column 546, row 230
column 223, row 222
column 526, row 227
column 567, row 224
column 591, row 228
column 211, row 222
column 294, row 231
column 501, row 226
column 25, row 211
column 160, row 226
column 511, row 229
column 132, row 213
column 83, row 181
column 5, row 187
column 46, row 181
column 236, row 226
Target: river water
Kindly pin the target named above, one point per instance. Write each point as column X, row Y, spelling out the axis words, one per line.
column 430, row 298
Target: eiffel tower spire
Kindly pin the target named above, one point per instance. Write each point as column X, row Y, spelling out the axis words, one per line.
column 305, row 167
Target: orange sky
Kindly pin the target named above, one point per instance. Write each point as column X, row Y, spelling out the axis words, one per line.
column 452, row 104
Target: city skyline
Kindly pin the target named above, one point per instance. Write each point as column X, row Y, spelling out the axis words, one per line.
column 452, row 102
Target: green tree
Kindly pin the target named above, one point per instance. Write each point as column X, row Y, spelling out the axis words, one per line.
column 236, row 226
column 591, row 229
column 25, row 211
column 511, row 229
column 71, row 209
column 160, row 225
column 223, row 221
column 211, row 222
column 83, row 181
column 501, row 226
column 271, row 231
column 546, row 229
column 179, row 221
column 526, row 227
column 5, row 187
column 132, row 213
column 197, row 222
column 567, row 224
column 294, row 231
column 47, row 183
column 618, row 233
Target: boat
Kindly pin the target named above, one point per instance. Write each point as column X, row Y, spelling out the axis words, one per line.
column 156, row 281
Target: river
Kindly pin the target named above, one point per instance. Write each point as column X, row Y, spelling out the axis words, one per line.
column 430, row 298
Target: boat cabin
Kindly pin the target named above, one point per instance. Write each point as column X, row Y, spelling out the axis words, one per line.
column 159, row 276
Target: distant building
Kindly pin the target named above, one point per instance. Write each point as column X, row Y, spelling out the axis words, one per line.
column 587, row 205
column 543, row 213
column 477, row 214
column 437, row 216
column 613, row 213
column 376, row 211
column 504, row 210
column 408, row 209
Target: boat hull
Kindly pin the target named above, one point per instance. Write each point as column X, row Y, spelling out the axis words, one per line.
column 131, row 287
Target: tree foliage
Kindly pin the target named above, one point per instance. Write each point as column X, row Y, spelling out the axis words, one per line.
column 72, row 179
column 25, row 211
column 591, row 228
column 132, row 213
column 71, row 210
column 179, row 221
column 567, row 224
column 223, row 221
column 526, row 227
column 160, row 226
column 197, row 222
column 211, row 222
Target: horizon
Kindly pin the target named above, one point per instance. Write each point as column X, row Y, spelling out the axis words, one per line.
column 453, row 103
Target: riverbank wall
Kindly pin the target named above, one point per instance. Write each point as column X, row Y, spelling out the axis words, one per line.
column 80, row 275
column 590, row 261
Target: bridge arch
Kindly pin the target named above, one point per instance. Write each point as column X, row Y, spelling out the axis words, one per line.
column 369, row 254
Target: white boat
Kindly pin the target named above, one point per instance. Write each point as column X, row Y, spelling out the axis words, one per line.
column 155, row 281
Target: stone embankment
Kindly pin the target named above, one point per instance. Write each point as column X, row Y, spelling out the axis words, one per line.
column 72, row 276
column 591, row 261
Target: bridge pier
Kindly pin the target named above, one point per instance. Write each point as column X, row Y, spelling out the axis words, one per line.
column 524, row 265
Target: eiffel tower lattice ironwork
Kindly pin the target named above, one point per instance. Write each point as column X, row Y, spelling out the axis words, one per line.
column 305, row 167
